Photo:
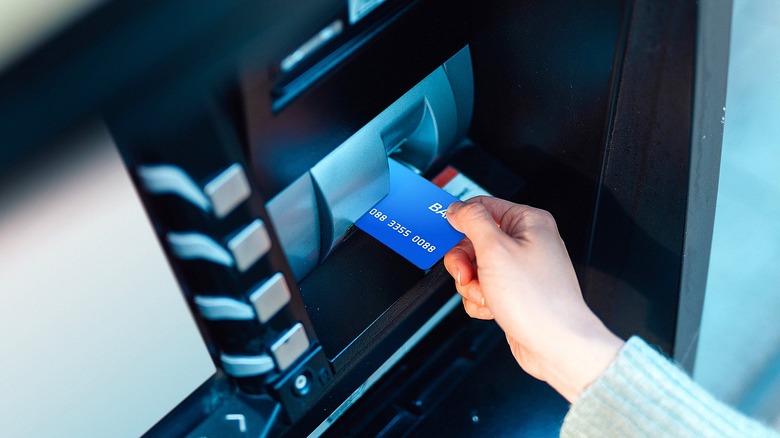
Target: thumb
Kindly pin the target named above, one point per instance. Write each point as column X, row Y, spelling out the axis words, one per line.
column 475, row 221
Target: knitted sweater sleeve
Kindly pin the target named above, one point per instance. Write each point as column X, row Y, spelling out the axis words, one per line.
column 644, row 394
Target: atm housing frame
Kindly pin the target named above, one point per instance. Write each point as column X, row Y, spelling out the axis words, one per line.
column 652, row 184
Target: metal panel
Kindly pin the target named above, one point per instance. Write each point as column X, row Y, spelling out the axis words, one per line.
column 296, row 218
column 709, row 107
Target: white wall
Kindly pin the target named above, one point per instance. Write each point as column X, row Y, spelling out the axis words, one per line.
column 95, row 336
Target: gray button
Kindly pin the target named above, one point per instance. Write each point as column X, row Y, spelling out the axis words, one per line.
column 197, row 246
column 270, row 297
column 223, row 308
column 245, row 366
column 250, row 244
column 290, row 346
column 163, row 179
column 229, row 189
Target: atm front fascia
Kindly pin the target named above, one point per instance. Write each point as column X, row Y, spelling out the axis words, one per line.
column 256, row 134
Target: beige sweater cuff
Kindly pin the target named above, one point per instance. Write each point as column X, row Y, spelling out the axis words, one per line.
column 644, row 394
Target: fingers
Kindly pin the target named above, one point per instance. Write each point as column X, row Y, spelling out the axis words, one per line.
column 497, row 208
column 481, row 219
column 461, row 269
column 459, row 262
column 467, row 248
column 521, row 218
column 473, row 219
column 472, row 292
column 476, row 311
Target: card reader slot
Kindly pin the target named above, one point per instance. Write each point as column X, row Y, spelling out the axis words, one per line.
column 422, row 123
column 348, row 182
column 296, row 218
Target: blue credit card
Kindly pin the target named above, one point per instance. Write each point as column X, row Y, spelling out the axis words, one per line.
column 411, row 220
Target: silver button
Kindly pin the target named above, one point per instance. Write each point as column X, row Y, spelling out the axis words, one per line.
column 269, row 298
column 229, row 189
column 223, row 308
column 244, row 366
column 160, row 179
column 290, row 346
column 250, row 244
column 189, row 246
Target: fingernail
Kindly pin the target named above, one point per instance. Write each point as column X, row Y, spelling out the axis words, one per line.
column 456, row 274
column 454, row 207
column 483, row 300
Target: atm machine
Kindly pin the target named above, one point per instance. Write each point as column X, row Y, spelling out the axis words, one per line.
column 256, row 133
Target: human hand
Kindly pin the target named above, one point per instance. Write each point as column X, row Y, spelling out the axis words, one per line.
column 514, row 267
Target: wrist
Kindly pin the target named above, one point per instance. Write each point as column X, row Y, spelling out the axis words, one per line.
column 585, row 355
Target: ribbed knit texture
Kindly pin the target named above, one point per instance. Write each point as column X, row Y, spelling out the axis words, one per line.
column 644, row 394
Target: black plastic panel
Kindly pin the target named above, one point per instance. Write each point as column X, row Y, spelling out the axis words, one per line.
column 285, row 145
column 633, row 279
column 497, row 399
column 353, row 287
column 543, row 72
